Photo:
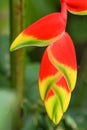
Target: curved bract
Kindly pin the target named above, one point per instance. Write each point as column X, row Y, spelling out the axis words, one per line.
column 58, row 70
column 41, row 33
column 77, row 6
column 57, row 77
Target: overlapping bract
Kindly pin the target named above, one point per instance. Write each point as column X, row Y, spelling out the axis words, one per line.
column 58, row 69
column 58, row 76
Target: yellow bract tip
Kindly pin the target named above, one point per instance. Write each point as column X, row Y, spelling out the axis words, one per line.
column 18, row 41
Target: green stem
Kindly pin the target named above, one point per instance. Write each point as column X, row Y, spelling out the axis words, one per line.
column 17, row 57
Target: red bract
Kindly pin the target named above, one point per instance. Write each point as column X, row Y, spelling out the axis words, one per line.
column 41, row 33
column 77, row 6
column 57, row 78
column 58, row 70
column 49, row 27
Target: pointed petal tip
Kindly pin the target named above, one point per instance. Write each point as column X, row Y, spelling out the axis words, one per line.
column 11, row 48
column 16, row 44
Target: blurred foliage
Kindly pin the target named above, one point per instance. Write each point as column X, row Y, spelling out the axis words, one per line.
column 9, row 109
column 4, row 61
column 34, row 113
column 4, row 19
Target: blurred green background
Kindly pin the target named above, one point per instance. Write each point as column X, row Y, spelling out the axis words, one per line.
column 35, row 117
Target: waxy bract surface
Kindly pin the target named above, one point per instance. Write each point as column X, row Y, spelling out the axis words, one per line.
column 57, row 78
column 41, row 33
column 58, row 70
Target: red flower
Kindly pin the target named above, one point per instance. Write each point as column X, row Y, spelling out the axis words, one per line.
column 58, row 69
column 57, row 78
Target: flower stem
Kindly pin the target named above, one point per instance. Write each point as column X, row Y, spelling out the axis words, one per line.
column 17, row 57
column 64, row 10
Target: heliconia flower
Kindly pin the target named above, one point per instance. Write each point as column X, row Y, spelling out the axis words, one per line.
column 58, row 72
column 77, row 6
column 58, row 69
column 41, row 33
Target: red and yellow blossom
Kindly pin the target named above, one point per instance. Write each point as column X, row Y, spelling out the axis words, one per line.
column 57, row 78
column 58, row 70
